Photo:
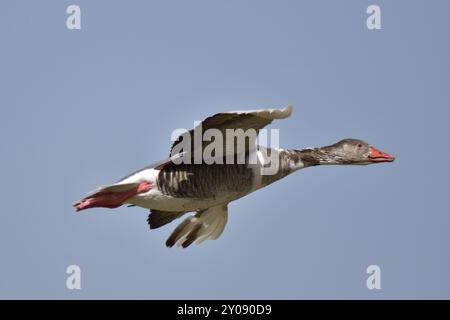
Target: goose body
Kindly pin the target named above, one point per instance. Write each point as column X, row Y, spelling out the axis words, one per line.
column 191, row 187
column 170, row 189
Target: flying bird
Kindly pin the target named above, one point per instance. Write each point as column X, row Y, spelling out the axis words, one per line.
column 171, row 189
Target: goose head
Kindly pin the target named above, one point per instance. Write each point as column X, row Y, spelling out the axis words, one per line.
column 354, row 151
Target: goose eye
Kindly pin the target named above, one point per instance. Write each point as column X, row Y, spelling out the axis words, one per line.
column 359, row 145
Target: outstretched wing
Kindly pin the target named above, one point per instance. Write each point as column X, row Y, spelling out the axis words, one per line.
column 204, row 225
column 245, row 120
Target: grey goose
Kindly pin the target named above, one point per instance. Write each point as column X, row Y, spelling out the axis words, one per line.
column 171, row 189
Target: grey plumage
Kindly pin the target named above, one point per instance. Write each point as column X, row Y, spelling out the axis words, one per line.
column 204, row 181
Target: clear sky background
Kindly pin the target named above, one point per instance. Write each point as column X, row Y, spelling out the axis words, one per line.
column 83, row 108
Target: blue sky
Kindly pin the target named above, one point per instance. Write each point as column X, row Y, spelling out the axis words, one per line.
column 85, row 107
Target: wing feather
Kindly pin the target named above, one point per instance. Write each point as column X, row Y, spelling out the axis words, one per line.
column 204, row 225
column 245, row 120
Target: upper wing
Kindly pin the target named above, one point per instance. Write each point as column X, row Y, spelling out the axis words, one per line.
column 252, row 119
column 204, row 225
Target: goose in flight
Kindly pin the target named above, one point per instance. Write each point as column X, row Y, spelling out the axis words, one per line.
column 172, row 188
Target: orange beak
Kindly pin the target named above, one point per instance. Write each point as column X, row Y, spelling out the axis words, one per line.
column 380, row 156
